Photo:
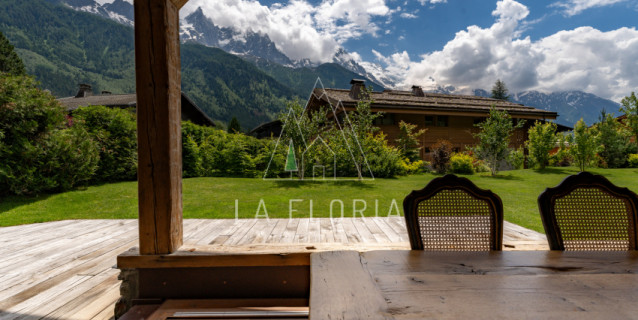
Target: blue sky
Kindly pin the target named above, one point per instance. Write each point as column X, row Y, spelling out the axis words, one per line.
column 588, row 45
column 437, row 24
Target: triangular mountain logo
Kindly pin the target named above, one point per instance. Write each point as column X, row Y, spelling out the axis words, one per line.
column 313, row 156
column 291, row 161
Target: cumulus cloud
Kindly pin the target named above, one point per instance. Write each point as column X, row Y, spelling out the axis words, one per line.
column 574, row 7
column 585, row 59
column 298, row 28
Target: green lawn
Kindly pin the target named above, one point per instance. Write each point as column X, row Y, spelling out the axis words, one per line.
column 214, row 198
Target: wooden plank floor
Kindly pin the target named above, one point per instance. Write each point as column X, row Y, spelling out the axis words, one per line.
column 66, row 269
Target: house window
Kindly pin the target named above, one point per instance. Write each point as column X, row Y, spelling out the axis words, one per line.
column 385, row 119
column 478, row 120
column 429, row 120
column 441, row 121
column 427, row 150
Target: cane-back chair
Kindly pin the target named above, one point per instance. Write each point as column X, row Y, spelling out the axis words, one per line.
column 453, row 214
column 588, row 212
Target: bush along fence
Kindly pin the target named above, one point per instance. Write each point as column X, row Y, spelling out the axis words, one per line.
column 43, row 149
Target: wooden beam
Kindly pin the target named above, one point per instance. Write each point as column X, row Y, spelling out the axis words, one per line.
column 179, row 3
column 158, row 81
column 186, row 259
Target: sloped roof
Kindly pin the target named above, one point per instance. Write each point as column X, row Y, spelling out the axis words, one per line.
column 190, row 111
column 109, row 100
column 406, row 101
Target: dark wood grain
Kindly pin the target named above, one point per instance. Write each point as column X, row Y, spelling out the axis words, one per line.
column 158, row 83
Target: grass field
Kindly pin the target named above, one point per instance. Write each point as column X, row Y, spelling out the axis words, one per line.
column 215, row 198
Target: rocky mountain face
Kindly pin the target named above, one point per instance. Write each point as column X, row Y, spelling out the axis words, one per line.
column 198, row 28
column 119, row 10
column 346, row 60
column 570, row 105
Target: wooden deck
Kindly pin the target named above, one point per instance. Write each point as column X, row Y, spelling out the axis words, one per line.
column 66, row 269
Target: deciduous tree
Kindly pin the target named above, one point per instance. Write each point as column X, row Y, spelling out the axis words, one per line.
column 630, row 108
column 494, row 138
column 614, row 141
column 585, row 145
column 542, row 139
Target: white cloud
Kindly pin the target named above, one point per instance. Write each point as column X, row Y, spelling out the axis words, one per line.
column 407, row 15
column 574, row 7
column 585, row 59
column 424, row 2
column 299, row 29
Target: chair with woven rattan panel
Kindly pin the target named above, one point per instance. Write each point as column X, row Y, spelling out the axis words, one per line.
column 588, row 212
column 453, row 214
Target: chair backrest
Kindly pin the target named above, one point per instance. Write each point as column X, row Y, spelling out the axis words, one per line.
column 588, row 212
column 452, row 214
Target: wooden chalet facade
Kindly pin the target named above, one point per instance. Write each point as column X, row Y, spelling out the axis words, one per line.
column 445, row 116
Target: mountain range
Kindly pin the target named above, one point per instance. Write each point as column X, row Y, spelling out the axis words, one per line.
column 225, row 72
column 570, row 105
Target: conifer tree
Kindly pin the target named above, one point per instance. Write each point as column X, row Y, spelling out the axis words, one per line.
column 499, row 91
column 10, row 62
column 233, row 126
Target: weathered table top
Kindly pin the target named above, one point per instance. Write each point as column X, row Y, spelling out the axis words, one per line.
column 403, row 284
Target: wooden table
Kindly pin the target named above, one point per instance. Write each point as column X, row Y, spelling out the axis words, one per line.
column 403, row 284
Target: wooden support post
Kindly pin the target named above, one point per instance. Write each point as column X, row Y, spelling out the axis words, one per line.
column 158, row 81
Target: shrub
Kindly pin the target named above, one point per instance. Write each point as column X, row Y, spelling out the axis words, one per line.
column 72, row 158
column 441, row 153
column 115, row 131
column 384, row 160
column 516, row 158
column 408, row 141
column 418, row 166
column 563, row 158
column 191, row 158
column 38, row 153
column 633, row 160
column 461, row 163
column 614, row 139
column 481, row 166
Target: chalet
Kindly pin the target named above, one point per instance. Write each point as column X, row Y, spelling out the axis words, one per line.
column 84, row 97
column 445, row 116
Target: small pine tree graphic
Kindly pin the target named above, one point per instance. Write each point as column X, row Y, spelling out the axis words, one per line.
column 291, row 161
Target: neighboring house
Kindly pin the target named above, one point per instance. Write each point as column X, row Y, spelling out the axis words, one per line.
column 267, row 130
column 445, row 116
column 84, row 97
